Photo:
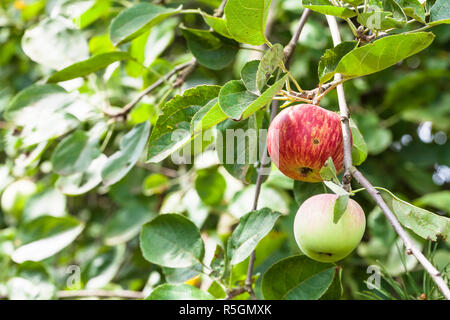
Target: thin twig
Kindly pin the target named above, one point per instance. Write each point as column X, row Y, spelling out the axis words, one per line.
column 314, row 95
column 323, row 90
column 409, row 246
column 125, row 110
column 171, row 173
column 349, row 169
column 343, row 110
column 290, row 48
column 219, row 12
column 235, row 292
column 123, row 294
column 182, row 76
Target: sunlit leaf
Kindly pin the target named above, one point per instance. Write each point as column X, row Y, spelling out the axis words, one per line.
column 423, row 222
column 210, row 49
column 178, row 292
column 251, row 229
column 246, row 21
column 93, row 64
column 131, row 147
column 298, row 277
column 134, row 21
column 46, row 236
column 172, row 240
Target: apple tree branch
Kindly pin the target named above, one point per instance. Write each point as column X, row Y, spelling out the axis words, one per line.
column 349, row 169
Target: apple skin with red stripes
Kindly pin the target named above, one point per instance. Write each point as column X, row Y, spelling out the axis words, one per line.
column 319, row 237
column 301, row 138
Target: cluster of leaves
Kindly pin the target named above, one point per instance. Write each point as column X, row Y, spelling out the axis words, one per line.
column 111, row 198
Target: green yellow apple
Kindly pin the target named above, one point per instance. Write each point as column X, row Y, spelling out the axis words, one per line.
column 319, row 237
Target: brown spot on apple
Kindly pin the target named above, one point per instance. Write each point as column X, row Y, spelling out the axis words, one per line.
column 304, row 171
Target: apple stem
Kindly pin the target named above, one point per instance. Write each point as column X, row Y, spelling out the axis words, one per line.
column 290, row 48
column 350, row 170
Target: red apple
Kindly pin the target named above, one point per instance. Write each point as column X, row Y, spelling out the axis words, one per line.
column 319, row 237
column 301, row 138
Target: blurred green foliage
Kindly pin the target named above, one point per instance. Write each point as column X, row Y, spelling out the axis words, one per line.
column 403, row 113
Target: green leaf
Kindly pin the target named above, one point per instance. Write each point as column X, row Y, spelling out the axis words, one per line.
column 423, row 222
column 234, row 98
column 131, row 147
column 48, row 103
column 325, row 7
column 172, row 240
column 159, row 39
column 246, row 21
column 304, row 190
column 439, row 200
column 382, row 54
column 413, row 9
column 45, row 236
column 36, row 96
column 238, row 103
column 103, row 267
column 248, row 75
column 207, row 117
column 354, row 2
column 336, row 188
column 339, row 207
column 210, row 49
column 181, row 275
column 134, row 21
column 126, row 223
column 177, row 115
column 210, row 186
column 380, row 20
column 76, row 152
column 359, row 148
column 297, row 277
column 155, row 183
column 330, row 59
column 49, row 202
column 55, row 43
column 314, row 287
column 252, row 227
column 394, row 7
column 31, row 281
column 97, row 10
column 328, row 171
column 440, row 13
column 219, row 25
column 178, row 292
column 376, row 137
column 270, row 61
column 91, row 65
column 83, row 182
column 237, row 148
column 218, row 262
